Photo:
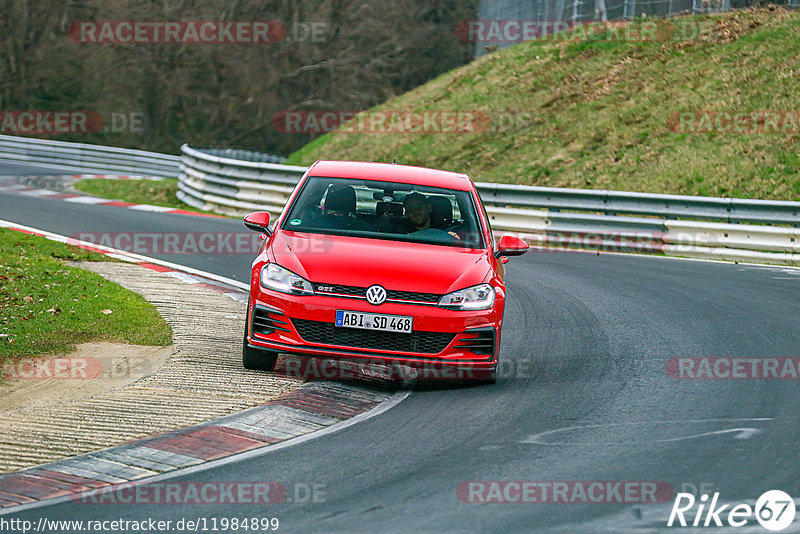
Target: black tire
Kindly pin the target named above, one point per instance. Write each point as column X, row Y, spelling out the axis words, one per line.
column 257, row 359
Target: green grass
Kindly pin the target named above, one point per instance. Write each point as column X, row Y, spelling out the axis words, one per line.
column 153, row 192
column 596, row 114
column 47, row 306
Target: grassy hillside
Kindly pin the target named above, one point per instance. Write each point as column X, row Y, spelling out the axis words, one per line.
column 597, row 113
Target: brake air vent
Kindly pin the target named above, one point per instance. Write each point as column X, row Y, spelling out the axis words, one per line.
column 479, row 341
column 267, row 321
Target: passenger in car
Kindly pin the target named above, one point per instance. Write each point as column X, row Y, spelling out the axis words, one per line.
column 339, row 211
column 441, row 212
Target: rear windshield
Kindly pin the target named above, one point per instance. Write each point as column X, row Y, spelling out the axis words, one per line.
column 385, row 210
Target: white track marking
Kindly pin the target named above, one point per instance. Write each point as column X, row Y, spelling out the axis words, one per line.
column 741, row 432
column 87, row 200
column 148, row 207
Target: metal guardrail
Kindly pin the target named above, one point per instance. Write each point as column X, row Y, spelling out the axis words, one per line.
column 553, row 218
column 243, row 155
column 704, row 227
column 87, row 158
column 231, row 186
column 729, row 210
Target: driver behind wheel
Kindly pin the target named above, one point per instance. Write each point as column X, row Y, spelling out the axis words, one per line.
column 418, row 209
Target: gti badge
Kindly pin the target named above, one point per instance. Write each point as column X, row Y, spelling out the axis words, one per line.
column 376, row 295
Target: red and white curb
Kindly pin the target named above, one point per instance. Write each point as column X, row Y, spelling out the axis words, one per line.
column 25, row 190
column 313, row 410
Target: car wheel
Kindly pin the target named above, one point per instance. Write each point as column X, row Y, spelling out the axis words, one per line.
column 256, row 359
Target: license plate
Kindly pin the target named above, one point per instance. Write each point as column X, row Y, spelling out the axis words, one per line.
column 374, row 321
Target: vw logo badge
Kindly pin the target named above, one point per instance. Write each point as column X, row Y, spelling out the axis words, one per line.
column 376, row 295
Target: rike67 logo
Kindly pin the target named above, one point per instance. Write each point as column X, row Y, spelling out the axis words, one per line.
column 774, row 510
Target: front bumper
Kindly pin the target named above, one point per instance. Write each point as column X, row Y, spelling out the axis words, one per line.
column 442, row 338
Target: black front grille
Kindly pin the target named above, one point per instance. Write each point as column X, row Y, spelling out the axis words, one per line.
column 328, row 334
column 391, row 294
column 341, row 290
column 411, row 295
column 481, row 341
column 266, row 321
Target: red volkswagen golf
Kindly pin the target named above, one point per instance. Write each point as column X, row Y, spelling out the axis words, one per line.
column 381, row 263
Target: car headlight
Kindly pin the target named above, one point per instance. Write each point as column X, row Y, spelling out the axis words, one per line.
column 275, row 277
column 480, row 297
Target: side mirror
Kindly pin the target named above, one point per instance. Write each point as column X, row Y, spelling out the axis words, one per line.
column 258, row 221
column 511, row 246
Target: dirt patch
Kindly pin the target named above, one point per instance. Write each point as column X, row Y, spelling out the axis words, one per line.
column 603, row 85
column 730, row 28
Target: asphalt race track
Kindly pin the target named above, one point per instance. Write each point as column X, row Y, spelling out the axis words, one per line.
column 583, row 395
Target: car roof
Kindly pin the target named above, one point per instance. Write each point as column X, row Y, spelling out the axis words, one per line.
column 389, row 172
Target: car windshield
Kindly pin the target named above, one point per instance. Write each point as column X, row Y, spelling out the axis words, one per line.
column 385, row 210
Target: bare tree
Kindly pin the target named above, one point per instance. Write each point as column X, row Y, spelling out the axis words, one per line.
column 362, row 53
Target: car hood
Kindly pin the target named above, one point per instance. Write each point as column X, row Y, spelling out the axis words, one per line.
column 397, row 265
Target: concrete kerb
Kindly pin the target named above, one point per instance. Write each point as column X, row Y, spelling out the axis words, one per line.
column 311, row 410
